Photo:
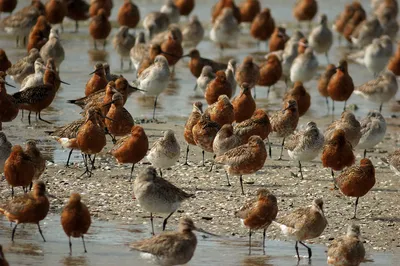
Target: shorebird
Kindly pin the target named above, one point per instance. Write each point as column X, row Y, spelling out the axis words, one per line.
column 337, row 152
column 5, row 150
column 56, row 10
column 193, row 32
column 222, row 111
column 394, row 62
column 340, row 86
column 393, row 160
column 245, row 159
column 131, row 148
column 171, row 248
column 270, row 72
column 121, row 121
column 29, row 208
column 97, row 81
column 36, row 157
column 259, row 213
column 77, row 10
column 123, row 42
column 217, row 87
column 128, row 14
column 197, row 63
column 278, row 39
column 321, row 37
column 301, row 96
column 289, row 54
column 36, row 78
column 39, row 34
column 219, row 7
column 305, row 145
column 165, row 151
column 96, row 5
column 356, row 181
column 323, row 82
column 243, row 104
column 7, row 6
column 100, row 27
column 110, row 76
column 230, row 73
column 156, row 194
column 373, row 129
column 262, row 26
column 248, row 72
column 204, row 132
column 185, row 6
column 303, row 224
column 225, row 30
column 380, row 90
column 366, row 32
column 154, row 79
column 347, row 249
column 305, row 10
column 284, row 122
column 172, row 49
column 304, row 67
column 75, row 219
column 155, row 22
column 343, row 19
column 192, row 120
column 53, row 49
column 249, row 9
column 377, row 56
column 349, row 124
column 3, row 260
column 171, row 10
column 9, row 109
column 4, row 62
column 206, row 76
column 24, row 67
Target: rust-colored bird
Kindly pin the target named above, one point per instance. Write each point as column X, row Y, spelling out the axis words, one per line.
column 3, row 261
column 128, row 14
column 337, row 152
column 344, row 18
column 249, row 10
column 204, row 133
column 75, row 219
column 258, row 213
column 243, row 104
column 262, row 26
column 245, row 159
column 221, row 111
column 77, row 10
column 270, row 72
column 19, row 169
column 340, row 86
column 96, row 5
column 192, row 120
column 278, row 39
column 285, row 122
column 394, row 63
column 29, row 208
column 323, row 82
column 39, row 34
column 56, row 10
column 98, row 80
column 132, row 148
column 9, row 109
column 218, row 86
column 4, row 62
column 185, row 6
column 218, row 7
column 356, row 181
column 197, row 63
column 301, row 96
column 121, row 121
column 305, row 10
column 172, row 48
column 100, row 28
column 7, row 6
column 37, row 158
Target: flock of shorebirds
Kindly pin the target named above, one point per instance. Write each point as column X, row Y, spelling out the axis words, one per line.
column 234, row 130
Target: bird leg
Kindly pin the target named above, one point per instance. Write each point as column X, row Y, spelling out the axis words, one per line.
column 365, row 153
column 265, row 230
column 69, row 157
column 95, row 45
column 241, row 184
column 70, row 245
column 44, row 120
column 301, row 172
column 249, row 241
column 84, row 246
column 152, row 225
column 269, row 148
column 380, row 108
column 29, row 118
column 187, row 155
column 130, row 65
column 30, row 186
column 297, row 250
column 283, row 143
column 345, row 103
column 160, row 172
column 92, row 161
column 12, row 192
column 355, row 209
column 165, row 221
column 269, row 87
column 133, row 167
column 40, row 231
column 203, row 158
column 227, row 178
column 154, row 109
column 327, row 57
column 13, row 232
column 122, row 64
column 76, row 26
column 195, row 86
column 334, row 181
column 212, row 164
column 308, row 249
column 87, row 171
column 255, row 94
column 327, row 103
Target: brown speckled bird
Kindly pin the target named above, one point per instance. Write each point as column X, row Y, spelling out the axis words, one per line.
column 204, row 133
column 248, row 72
column 349, row 124
column 197, row 63
column 192, row 120
column 219, row 7
column 221, row 111
column 356, row 181
column 37, row 158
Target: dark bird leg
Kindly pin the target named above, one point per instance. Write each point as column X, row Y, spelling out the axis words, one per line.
column 44, row 120
column 29, row 118
column 365, row 153
column 76, row 26
column 152, row 225
column 301, row 172
column 70, row 245
column 380, row 108
column 122, row 64
column 69, row 157
column 160, row 172
column 93, row 161
column 13, row 232
column 212, row 164
column 255, row 94
column 84, row 246
column 264, row 232
column 269, row 148
column 249, row 241
column 40, row 231
column 133, row 167
column 187, row 155
column 327, row 103
column 130, row 65
column 165, row 221
column 154, row 109
column 241, row 184
column 333, row 109
column 104, row 45
column 227, row 178
column 355, row 209
column 283, row 143
column 269, row 87
column 308, row 249
column 345, row 103
column 195, row 86
column 327, row 57
column 333, row 177
column 95, row 45
column 203, row 158
column 297, row 250
column 30, row 186
column 12, row 192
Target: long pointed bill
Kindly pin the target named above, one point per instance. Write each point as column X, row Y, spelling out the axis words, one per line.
column 205, row 232
column 8, row 84
column 63, row 82
column 171, row 54
column 136, row 89
column 106, row 117
column 91, row 73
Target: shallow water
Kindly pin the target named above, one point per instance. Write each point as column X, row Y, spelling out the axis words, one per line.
column 107, row 244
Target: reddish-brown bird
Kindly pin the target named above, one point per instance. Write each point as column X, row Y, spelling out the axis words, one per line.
column 344, row 18
column 172, row 48
column 19, row 169
column 248, row 72
column 270, row 72
column 197, row 63
column 259, row 213
column 249, row 9
column 323, row 82
column 258, row 125
column 29, row 208
column 132, row 148
column 221, row 111
column 3, row 261
column 128, row 14
column 100, row 28
column 278, row 39
column 204, row 133
column 121, row 121
column 218, row 7
column 7, row 6
column 9, row 109
column 218, row 86
column 243, row 104
column 37, row 158
column 75, row 219
column 96, row 5
column 98, row 80
column 394, row 63
column 340, row 86
column 305, row 10
column 56, row 10
column 356, row 181
column 77, row 10
column 263, row 25
column 39, row 34
column 301, row 96
column 4, row 62
column 185, row 6
column 338, row 152
column 192, row 120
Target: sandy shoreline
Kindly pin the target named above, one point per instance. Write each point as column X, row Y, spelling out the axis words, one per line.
column 109, row 195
